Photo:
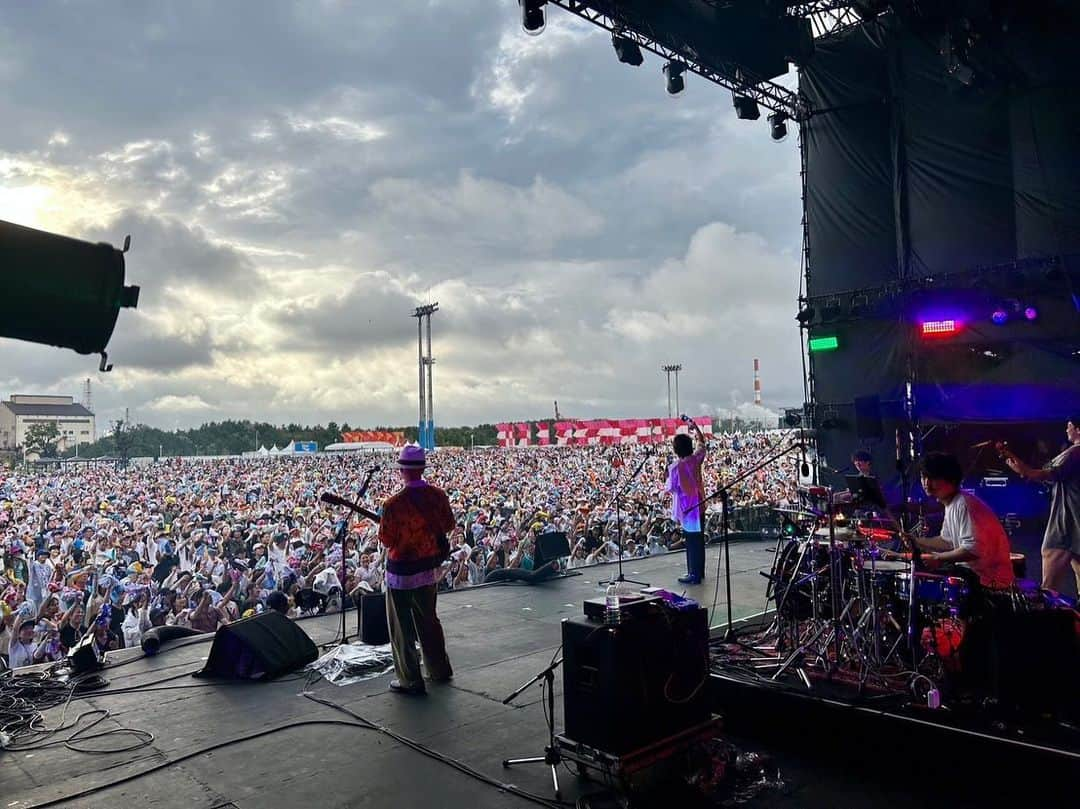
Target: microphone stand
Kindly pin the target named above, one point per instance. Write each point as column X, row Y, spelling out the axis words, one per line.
column 618, row 522
column 342, row 534
column 725, row 504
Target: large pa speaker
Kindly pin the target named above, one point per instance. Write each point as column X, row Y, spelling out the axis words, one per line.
column 62, row 291
column 262, row 647
column 631, row 685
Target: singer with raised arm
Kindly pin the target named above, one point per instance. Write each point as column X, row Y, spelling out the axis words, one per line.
column 414, row 526
column 687, row 492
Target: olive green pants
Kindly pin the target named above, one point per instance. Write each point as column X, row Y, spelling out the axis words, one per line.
column 411, row 616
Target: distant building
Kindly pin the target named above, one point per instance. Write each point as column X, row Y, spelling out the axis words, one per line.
column 75, row 423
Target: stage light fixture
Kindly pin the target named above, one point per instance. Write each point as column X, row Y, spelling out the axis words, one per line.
column 778, row 126
column 673, row 72
column 806, row 315
column 1000, row 316
column 533, row 19
column 946, row 327
column 627, row 50
column 746, row 109
column 830, row 343
column 831, row 310
column 860, row 305
column 1031, row 313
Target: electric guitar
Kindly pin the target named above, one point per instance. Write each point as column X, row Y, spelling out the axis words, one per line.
column 334, row 500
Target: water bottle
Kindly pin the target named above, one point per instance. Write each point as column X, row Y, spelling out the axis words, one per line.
column 612, row 617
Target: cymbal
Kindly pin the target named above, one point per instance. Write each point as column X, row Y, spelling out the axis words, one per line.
column 810, row 515
column 845, row 534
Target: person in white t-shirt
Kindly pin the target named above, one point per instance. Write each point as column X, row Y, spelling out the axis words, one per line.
column 970, row 533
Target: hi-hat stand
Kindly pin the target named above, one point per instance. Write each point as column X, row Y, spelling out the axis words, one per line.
column 551, row 756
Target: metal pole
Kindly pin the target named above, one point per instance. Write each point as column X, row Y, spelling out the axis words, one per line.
column 420, row 355
column 430, row 389
column 677, row 369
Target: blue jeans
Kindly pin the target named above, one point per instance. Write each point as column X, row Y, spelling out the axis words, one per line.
column 695, row 553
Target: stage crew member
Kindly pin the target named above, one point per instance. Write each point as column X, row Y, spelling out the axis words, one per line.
column 414, row 526
column 687, row 492
column 970, row 532
column 1061, row 542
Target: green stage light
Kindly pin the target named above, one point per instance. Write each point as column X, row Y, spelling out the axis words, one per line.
column 824, row 344
column 61, row 291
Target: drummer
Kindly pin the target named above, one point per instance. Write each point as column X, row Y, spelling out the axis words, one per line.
column 970, row 532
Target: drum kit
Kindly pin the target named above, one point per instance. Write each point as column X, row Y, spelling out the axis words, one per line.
column 846, row 601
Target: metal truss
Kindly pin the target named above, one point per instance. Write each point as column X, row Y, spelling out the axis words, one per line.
column 734, row 77
column 827, row 17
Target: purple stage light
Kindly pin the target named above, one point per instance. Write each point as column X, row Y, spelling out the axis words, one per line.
column 1031, row 313
column 1000, row 316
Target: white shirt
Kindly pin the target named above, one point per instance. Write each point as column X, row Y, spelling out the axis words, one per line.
column 972, row 525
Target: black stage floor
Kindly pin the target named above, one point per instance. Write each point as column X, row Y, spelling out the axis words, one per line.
column 498, row 637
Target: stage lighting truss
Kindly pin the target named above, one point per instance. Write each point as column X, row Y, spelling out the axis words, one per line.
column 766, row 93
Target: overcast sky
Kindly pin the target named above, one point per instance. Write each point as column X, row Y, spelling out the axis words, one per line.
column 296, row 177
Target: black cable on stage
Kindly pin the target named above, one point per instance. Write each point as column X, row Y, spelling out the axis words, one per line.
column 186, row 756
column 451, row 762
column 361, row 723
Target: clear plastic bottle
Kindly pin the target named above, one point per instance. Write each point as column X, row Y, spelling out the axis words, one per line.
column 612, row 616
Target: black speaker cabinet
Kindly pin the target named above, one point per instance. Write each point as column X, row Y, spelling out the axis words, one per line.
column 372, row 619
column 260, row 648
column 631, row 685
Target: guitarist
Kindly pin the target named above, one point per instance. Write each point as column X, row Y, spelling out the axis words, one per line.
column 1061, row 541
column 414, row 526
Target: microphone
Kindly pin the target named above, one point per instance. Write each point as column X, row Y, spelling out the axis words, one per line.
column 333, row 499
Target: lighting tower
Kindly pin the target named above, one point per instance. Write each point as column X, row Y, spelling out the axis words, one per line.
column 669, row 370
column 426, row 424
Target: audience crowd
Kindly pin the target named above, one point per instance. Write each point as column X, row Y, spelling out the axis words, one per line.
column 202, row 542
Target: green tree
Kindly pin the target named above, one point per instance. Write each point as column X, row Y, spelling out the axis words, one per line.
column 42, row 439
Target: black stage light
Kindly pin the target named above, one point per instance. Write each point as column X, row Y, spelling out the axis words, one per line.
column 778, row 126
column 532, row 16
column 806, row 315
column 673, row 71
column 627, row 50
column 831, row 310
column 61, row 291
column 860, row 305
column 746, row 109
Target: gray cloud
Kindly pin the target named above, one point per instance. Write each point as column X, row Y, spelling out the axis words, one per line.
column 297, row 176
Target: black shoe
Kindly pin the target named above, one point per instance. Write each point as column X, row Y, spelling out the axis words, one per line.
column 415, row 691
column 448, row 678
column 688, row 579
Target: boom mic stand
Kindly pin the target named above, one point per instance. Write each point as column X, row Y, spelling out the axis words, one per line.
column 551, row 756
column 725, row 505
column 618, row 521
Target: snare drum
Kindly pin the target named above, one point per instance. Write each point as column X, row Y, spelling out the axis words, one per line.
column 933, row 589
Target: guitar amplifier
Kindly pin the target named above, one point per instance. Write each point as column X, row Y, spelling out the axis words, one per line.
column 631, row 685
